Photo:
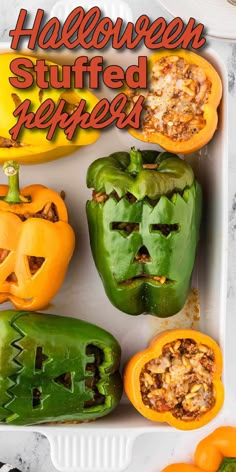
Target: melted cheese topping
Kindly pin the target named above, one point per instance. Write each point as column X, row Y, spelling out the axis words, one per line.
column 175, row 100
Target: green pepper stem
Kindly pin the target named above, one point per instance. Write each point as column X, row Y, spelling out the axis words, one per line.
column 228, row 465
column 136, row 161
column 11, row 169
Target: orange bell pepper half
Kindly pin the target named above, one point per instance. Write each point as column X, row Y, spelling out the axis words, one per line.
column 182, row 100
column 215, row 453
column 162, row 412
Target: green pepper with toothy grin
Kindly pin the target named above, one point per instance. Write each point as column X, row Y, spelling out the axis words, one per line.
column 144, row 222
column 56, row 369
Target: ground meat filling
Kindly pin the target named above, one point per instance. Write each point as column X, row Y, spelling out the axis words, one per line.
column 175, row 100
column 102, row 197
column 180, row 380
column 49, row 213
column 9, row 143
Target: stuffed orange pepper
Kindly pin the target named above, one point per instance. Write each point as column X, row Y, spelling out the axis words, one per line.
column 177, row 379
column 181, row 101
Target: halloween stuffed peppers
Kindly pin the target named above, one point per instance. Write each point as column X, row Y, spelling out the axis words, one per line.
column 177, row 379
column 181, row 101
column 54, row 368
column 215, row 453
column 146, row 208
column 36, row 243
column 32, row 146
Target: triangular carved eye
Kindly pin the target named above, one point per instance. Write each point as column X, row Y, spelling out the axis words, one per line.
column 65, row 380
column 3, row 255
column 12, row 278
column 35, row 263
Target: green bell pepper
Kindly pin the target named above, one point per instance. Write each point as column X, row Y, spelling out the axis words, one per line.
column 228, row 465
column 54, row 368
column 144, row 222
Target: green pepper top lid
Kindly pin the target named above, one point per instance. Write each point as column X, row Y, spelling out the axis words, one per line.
column 11, row 170
column 136, row 162
column 142, row 174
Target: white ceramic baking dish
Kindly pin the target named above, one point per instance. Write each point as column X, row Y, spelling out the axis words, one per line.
column 106, row 445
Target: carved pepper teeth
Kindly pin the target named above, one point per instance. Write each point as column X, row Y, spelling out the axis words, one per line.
column 56, row 369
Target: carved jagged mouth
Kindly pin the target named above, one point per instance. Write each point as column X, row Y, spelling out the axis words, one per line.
column 93, row 381
column 159, row 279
column 14, row 299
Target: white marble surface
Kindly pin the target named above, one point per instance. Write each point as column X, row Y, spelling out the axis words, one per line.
column 30, row 451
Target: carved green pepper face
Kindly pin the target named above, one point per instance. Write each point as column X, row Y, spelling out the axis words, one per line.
column 56, row 369
column 144, row 249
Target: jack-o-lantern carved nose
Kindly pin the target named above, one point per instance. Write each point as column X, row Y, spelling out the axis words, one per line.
column 12, row 278
column 143, row 255
column 65, row 380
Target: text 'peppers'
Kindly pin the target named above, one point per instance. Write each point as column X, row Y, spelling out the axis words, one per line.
column 146, row 208
column 54, row 368
column 36, row 243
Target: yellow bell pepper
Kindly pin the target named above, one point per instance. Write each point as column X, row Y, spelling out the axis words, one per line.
column 33, row 146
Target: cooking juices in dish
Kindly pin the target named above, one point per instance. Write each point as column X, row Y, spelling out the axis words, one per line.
column 146, row 207
column 177, row 379
column 36, row 243
column 180, row 108
column 54, row 368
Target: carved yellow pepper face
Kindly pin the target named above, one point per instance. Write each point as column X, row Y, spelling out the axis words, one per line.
column 32, row 146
